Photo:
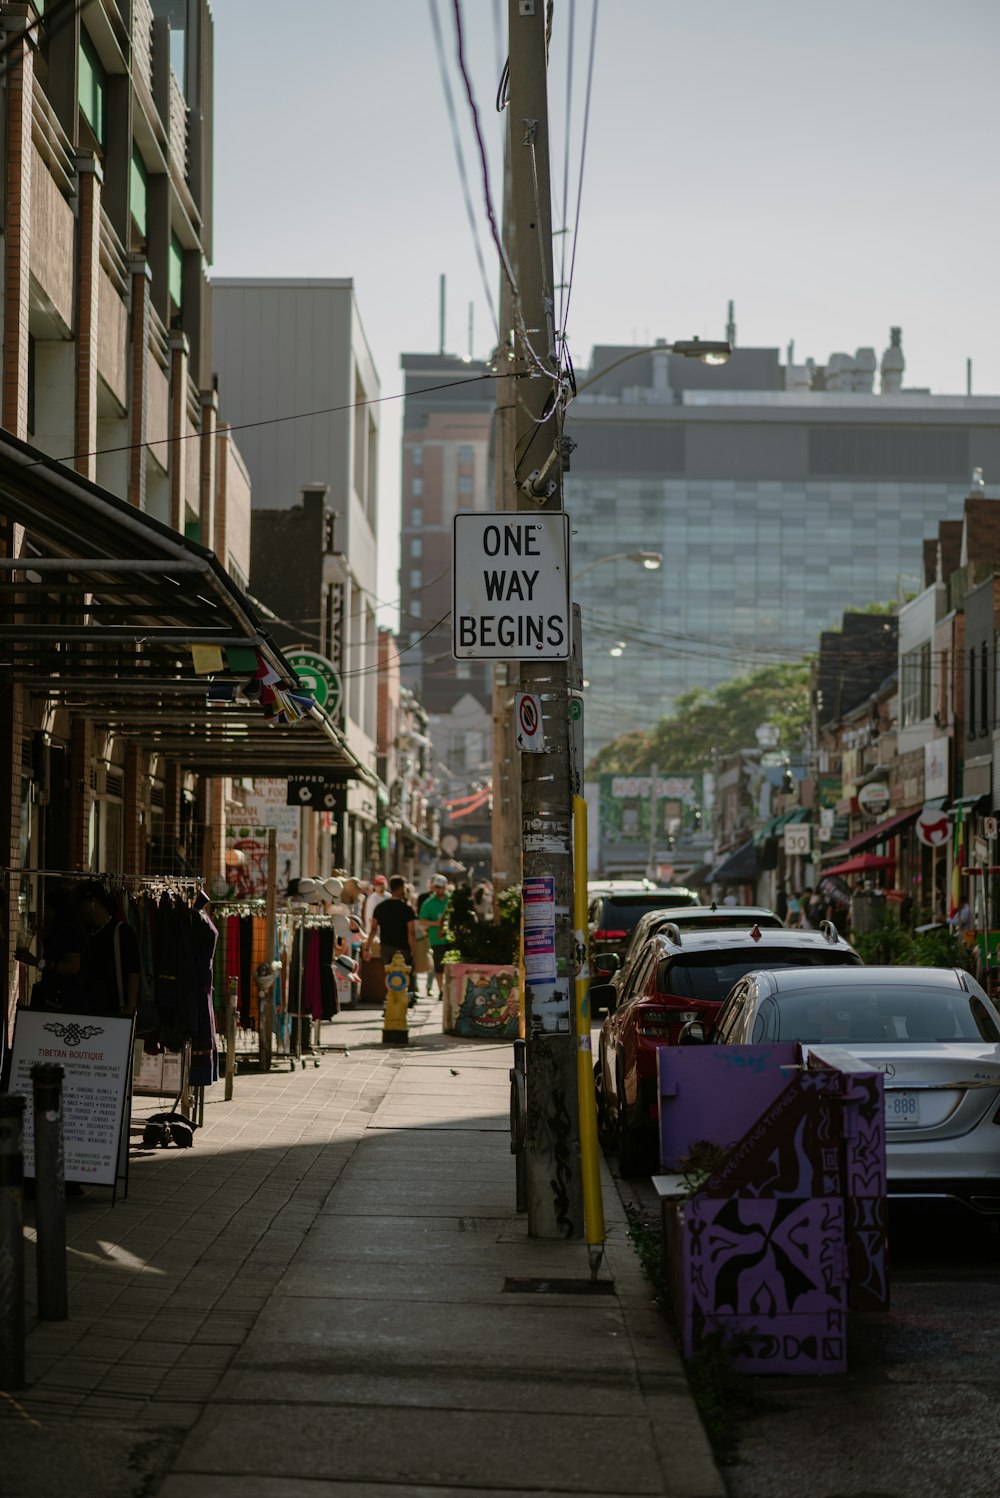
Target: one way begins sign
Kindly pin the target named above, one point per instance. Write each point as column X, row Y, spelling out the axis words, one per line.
column 511, row 587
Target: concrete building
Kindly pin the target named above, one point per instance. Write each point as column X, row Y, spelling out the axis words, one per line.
column 288, row 348
column 778, row 494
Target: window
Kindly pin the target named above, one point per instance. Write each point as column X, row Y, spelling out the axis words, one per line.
column 416, row 547
column 465, row 483
column 416, row 578
column 463, row 670
column 416, row 608
column 984, row 688
column 465, row 455
column 416, row 487
column 915, row 685
column 416, row 516
column 93, row 82
column 138, row 189
column 417, row 455
column 970, row 707
column 176, row 272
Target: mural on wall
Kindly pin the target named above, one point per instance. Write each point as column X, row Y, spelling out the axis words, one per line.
column 489, row 1006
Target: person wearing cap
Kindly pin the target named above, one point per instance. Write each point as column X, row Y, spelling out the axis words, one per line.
column 432, row 912
column 378, row 892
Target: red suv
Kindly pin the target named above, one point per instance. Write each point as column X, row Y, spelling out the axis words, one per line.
column 681, row 976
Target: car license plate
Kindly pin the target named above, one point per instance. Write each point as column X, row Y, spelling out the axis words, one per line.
column 902, row 1108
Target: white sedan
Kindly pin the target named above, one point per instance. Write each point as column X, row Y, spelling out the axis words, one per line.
column 933, row 1033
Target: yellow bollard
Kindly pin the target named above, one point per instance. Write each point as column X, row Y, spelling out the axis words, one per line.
column 395, row 1026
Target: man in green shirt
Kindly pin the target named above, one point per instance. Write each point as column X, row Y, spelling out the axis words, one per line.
column 432, row 912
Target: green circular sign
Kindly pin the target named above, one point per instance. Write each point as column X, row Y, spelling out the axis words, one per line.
column 575, row 709
column 319, row 677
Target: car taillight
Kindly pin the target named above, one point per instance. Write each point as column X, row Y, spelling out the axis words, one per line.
column 653, row 1023
column 609, row 936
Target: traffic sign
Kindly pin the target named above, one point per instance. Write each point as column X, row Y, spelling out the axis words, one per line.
column 510, row 599
column 529, row 734
column 990, row 826
column 319, row 676
column 798, row 840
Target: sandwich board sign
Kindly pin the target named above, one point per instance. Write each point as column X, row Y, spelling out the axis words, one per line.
column 510, row 599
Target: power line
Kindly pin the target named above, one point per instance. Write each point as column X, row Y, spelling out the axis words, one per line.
column 460, row 159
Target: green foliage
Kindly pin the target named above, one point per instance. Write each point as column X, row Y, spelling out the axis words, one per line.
column 489, row 942
column 893, row 943
column 705, row 724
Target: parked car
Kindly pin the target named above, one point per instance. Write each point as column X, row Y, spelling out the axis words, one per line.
column 680, row 977
column 933, row 1033
column 614, row 909
column 616, row 970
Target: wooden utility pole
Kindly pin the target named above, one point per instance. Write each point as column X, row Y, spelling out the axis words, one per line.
column 555, row 1203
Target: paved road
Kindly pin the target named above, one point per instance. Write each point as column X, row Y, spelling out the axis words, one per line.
column 918, row 1413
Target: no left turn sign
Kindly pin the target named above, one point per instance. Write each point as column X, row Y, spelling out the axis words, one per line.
column 528, row 723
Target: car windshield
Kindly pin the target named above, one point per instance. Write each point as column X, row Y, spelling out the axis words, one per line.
column 892, row 1012
column 708, row 976
column 621, row 912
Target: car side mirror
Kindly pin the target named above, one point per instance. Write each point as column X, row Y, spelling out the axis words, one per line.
column 602, row 996
column 693, row 1033
column 607, row 963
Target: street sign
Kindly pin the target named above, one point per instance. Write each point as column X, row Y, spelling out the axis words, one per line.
column 510, row 599
column 529, row 735
column 990, row 826
column 933, row 827
column 982, row 850
column 798, row 840
column 319, row 677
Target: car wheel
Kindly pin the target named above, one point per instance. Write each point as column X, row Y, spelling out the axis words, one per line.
column 605, row 1132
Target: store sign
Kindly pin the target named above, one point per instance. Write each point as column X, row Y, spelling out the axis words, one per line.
column 319, row 677
column 933, row 827
column 510, row 598
column 874, row 798
column 315, row 792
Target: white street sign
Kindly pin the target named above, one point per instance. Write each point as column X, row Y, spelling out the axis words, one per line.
column 510, row 600
column 990, row 826
column 528, row 733
column 798, row 840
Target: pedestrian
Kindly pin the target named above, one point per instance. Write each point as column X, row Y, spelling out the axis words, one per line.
column 61, row 964
column 432, row 913
column 807, row 909
column 794, row 912
column 961, row 921
column 781, row 903
column 393, row 922
column 378, row 892
column 113, row 953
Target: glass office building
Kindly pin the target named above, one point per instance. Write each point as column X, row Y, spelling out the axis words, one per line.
column 774, row 509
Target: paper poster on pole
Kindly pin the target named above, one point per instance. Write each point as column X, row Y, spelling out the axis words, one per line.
column 538, row 897
column 95, row 1052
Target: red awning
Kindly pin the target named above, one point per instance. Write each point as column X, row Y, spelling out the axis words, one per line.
column 864, row 863
column 873, row 835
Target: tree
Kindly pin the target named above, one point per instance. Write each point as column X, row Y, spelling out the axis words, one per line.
column 704, row 725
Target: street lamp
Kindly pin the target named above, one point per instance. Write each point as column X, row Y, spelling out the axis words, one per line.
column 651, row 560
column 706, row 350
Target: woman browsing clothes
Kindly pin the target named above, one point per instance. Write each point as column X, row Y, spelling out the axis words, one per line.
column 113, row 955
column 61, row 966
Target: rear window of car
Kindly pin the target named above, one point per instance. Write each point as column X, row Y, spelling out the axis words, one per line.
column 621, row 912
column 709, row 976
column 884, row 1012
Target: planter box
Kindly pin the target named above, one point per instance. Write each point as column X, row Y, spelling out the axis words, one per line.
column 481, row 1001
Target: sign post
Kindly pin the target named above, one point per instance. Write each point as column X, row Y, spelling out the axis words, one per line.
column 510, row 598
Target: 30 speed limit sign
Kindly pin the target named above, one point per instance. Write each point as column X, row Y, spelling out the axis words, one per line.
column 528, row 733
column 798, row 841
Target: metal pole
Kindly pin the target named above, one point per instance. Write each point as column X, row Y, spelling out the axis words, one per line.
column 298, row 995
column 654, row 771
column 593, row 1202
column 12, row 1366
column 232, row 1002
column 50, row 1192
column 555, row 1200
column 265, row 1002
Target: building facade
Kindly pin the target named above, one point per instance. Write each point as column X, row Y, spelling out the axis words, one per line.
column 777, row 494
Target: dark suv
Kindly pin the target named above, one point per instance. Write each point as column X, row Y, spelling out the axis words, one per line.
column 681, row 976
column 614, row 911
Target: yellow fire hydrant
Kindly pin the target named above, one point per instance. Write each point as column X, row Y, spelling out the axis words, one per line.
column 395, row 1029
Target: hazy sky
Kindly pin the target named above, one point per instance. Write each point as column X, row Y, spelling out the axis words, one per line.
column 832, row 168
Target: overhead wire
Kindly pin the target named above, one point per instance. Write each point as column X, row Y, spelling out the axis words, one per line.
column 460, row 160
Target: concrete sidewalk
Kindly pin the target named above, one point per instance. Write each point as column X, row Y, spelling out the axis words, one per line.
column 316, row 1301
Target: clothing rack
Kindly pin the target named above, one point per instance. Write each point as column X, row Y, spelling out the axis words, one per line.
column 163, row 881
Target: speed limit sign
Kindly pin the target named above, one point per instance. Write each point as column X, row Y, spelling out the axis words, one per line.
column 798, row 841
column 528, row 732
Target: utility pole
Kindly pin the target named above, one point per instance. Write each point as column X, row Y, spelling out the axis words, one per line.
column 555, row 1201
column 651, row 864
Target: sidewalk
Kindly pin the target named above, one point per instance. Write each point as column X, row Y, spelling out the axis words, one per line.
column 311, row 1302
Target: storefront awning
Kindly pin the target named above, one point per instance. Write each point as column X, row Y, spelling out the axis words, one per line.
column 740, row 867
column 774, row 826
column 872, row 836
column 104, row 611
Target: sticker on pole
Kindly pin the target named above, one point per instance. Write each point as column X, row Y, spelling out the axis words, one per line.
column 510, row 599
column 528, row 734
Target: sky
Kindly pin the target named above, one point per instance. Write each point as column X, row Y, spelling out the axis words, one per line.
column 830, row 168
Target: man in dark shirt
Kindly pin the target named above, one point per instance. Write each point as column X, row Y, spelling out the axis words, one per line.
column 392, row 923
